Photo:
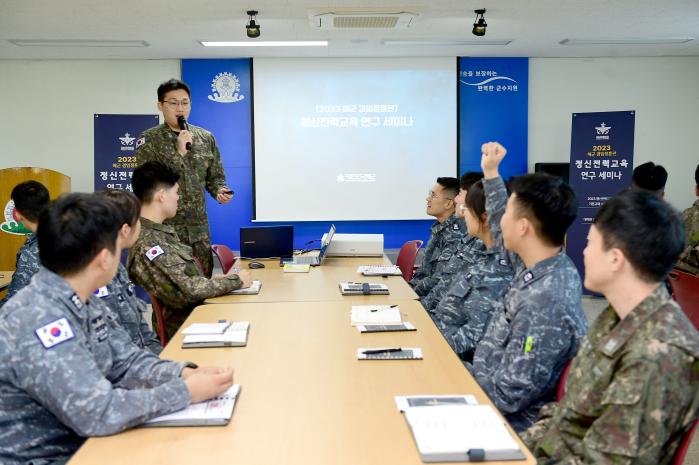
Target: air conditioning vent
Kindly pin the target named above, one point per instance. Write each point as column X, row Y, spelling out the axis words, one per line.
column 362, row 20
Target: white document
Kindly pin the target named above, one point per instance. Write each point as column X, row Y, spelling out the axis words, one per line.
column 217, row 411
column 375, row 315
column 405, row 402
column 449, row 433
column 253, row 289
column 379, row 270
column 206, row 328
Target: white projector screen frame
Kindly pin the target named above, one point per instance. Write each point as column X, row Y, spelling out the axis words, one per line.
column 351, row 138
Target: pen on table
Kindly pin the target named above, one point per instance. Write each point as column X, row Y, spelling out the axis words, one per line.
column 382, row 308
column 381, row 351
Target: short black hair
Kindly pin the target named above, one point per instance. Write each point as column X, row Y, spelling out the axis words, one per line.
column 548, row 202
column 172, row 84
column 128, row 204
column 30, row 199
column 475, row 199
column 645, row 228
column 650, row 177
column 449, row 185
column 696, row 175
column 469, row 178
column 74, row 230
column 151, row 176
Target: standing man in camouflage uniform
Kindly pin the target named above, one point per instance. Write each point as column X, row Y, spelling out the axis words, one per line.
column 464, row 313
column 445, row 235
column 633, row 388
column 689, row 260
column 30, row 198
column 67, row 370
column 538, row 323
column 199, row 166
column 466, row 251
column 120, row 294
column 159, row 262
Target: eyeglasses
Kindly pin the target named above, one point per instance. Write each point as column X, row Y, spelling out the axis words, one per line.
column 177, row 103
column 432, row 195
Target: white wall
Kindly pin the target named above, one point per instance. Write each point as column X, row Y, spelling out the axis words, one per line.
column 47, row 108
column 664, row 92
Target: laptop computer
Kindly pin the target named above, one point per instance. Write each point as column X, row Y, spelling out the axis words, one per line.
column 267, row 241
column 315, row 260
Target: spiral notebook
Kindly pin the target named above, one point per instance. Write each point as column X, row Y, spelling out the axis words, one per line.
column 363, row 288
column 215, row 412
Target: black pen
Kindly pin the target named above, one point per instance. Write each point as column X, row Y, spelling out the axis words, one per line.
column 382, row 308
column 381, row 351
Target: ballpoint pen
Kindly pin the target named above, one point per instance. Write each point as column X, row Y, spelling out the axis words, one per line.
column 381, row 351
column 382, row 308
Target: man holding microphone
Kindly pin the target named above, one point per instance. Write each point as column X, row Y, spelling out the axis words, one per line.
column 193, row 152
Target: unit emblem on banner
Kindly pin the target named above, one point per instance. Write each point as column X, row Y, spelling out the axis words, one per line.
column 225, row 88
column 602, row 131
column 127, row 139
column 12, row 224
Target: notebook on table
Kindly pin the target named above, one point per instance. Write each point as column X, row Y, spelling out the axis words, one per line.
column 224, row 334
column 252, row 290
column 379, row 270
column 375, row 314
column 363, row 289
column 215, row 412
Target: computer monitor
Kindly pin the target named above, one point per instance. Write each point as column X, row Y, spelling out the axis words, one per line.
column 267, row 241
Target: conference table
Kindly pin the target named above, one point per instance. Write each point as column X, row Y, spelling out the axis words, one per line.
column 305, row 398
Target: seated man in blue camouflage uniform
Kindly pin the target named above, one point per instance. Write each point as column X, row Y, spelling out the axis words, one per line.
column 30, row 199
column 464, row 313
column 445, row 235
column 537, row 325
column 67, row 369
column 633, row 388
column 120, row 294
column 466, row 251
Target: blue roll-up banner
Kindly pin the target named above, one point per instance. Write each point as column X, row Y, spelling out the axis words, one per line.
column 601, row 165
column 494, row 106
column 115, row 148
column 222, row 103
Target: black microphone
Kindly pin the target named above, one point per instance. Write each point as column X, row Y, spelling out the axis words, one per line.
column 182, row 122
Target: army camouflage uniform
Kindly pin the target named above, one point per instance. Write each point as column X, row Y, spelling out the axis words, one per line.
column 444, row 239
column 632, row 391
column 165, row 267
column 535, row 329
column 58, row 389
column 689, row 260
column 464, row 313
column 199, row 169
column 467, row 252
column 120, row 297
column 28, row 264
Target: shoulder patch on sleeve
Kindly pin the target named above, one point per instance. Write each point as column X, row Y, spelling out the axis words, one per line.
column 154, row 252
column 54, row 333
column 101, row 292
column 140, row 141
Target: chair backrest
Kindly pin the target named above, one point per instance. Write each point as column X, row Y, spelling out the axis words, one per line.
column 158, row 310
column 684, row 445
column 561, row 388
column 685, row 290
column 406, row 258
column 225, row 256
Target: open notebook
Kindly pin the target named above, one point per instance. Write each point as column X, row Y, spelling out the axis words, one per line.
column 461, row 433
column 214, row 412
column 253, row 289
column 225, row 334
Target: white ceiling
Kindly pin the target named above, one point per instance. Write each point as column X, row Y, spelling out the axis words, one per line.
column 173, row 28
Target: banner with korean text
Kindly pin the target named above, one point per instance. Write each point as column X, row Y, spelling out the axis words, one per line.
column 601, row 165
column 115, row 148
column 493, row 106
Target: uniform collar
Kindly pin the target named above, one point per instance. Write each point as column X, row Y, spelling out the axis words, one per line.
column 148, row 224
column 60, row 289
column 625, row 329
column 31, row 239
column 543, row 268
